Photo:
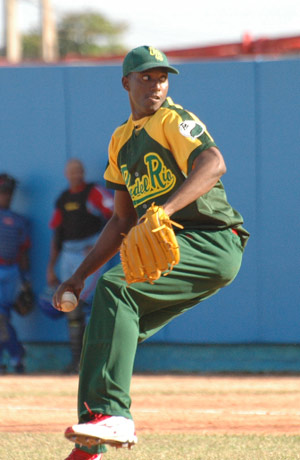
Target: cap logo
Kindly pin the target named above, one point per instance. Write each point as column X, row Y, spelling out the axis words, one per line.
column 156, row 53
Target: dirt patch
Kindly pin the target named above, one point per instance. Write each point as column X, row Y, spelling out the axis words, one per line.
column 161, row 403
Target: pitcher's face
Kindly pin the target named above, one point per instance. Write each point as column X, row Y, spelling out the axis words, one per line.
column 147, row 91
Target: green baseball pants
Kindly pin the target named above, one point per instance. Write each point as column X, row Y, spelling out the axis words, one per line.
column 124, row 315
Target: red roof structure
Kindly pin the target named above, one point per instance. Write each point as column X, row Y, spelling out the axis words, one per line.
column 247, row 48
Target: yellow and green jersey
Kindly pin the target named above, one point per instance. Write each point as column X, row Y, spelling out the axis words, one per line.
column 151, row 158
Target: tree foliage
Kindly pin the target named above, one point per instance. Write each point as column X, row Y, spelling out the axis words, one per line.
column 82, row 34
column 32, row 45
column 89, row 34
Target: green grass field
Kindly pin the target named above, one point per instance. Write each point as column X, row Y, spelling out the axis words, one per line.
column 159, row 447
column 228, row 417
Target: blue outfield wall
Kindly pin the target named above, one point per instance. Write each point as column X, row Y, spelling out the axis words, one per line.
column 251, row 108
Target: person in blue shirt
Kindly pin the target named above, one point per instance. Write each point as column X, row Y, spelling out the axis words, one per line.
column 14, row 270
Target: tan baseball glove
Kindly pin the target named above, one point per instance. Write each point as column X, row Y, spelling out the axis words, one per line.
column 150, row 247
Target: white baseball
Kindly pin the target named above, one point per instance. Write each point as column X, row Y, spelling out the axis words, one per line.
column 68, row 301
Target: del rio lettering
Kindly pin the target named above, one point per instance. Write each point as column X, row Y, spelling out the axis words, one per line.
column 157, row 181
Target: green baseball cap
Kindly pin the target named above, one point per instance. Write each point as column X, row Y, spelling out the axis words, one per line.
column 144, row 58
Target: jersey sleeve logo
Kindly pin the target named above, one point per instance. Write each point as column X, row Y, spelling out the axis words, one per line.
column 191, row 128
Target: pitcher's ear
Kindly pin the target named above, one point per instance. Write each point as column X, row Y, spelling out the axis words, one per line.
column 125, row 83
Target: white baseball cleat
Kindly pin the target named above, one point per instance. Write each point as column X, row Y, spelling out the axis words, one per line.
column 103, row 429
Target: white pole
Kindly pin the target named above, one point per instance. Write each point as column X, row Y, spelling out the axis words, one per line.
column 13, row 41
column 49, row 33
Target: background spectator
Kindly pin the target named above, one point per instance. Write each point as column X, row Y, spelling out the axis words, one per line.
column 14, row 272
column 81, row 211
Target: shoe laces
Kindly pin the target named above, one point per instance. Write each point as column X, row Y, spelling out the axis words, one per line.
column 95, row 418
